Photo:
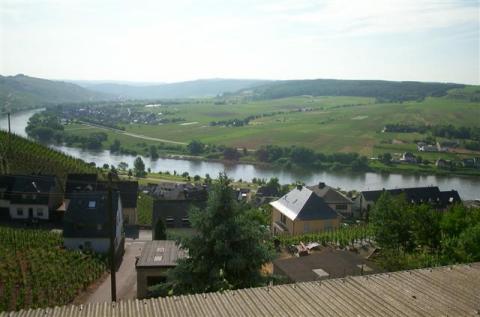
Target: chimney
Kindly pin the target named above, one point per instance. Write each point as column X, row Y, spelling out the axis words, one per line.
column 299, row 187
column 321, row 185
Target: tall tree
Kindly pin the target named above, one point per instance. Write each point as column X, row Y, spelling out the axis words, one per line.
column 392, row 222
column 228, row 250
column 139, row 167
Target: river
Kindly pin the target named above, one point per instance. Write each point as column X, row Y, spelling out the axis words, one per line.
column 468, row 187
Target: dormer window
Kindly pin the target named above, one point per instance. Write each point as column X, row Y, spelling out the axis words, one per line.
column 92, row 204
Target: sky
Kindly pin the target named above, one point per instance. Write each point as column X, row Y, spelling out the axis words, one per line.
column 178, row 40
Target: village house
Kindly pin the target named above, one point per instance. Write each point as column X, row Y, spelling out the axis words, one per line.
column 334, row 198
column 85, row 183
column 34, row 197
column 173, row 201
column 86, row 222
column 157, row 257
column 408, row 157
column 432, row 195
column 441, row 163
column 302, row 211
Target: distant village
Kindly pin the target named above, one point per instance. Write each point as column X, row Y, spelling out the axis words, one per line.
column 79, row 207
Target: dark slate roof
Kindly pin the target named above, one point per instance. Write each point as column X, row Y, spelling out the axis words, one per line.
column 160, row 253
column 32, row 189
column 303, row 204
column 337, row 263
column 449, row 197
column 6, row 185
column 329, row 194
column 87, row 216
column 418, row 195
column 128, row 193
column 267, row 191
column 80, row 183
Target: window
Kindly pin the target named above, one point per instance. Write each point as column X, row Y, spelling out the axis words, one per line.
column 341, row 207
column 92, row 204
column 185, row 222
column 24, row 196
column 34, row 196
column 170, row 222
column 283, row 219
column 306, row 227
column 39, row 212
column 99, row 227
column 19, row 211
column 327, row 225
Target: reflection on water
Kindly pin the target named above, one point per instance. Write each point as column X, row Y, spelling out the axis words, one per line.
column 469, row 188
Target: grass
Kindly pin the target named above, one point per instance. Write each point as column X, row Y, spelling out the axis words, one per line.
column 336, row 124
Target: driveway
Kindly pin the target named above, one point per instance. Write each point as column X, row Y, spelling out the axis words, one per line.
column 126, row 274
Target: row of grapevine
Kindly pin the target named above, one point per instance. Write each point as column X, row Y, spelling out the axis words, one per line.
column 341, row 237
column 35, row 271
column 19, row 155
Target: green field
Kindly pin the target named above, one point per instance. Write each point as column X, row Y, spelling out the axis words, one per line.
column 334, row 124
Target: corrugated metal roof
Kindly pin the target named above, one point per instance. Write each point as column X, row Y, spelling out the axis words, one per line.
column 443, row 291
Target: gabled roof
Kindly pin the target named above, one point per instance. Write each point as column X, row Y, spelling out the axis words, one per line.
column 80, row 183
column 418, row 195
column 439, row 291
column 32, row 189
column 303, row 204
column 128, row 193
column 329, row 194
column 87, row 215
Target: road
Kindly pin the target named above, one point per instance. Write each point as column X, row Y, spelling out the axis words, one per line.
column 126, row 274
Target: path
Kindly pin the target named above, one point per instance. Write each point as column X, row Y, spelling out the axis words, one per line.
column 133, row 135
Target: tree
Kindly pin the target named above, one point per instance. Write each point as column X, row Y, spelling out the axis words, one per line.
column 426, row 226
column 122, row 166
column 115, row 147
column 231, row 154
column 153, row 152
column 139, row 167
column 392, row 221
column 160, row 230
column 195, row 147
column 228, row 249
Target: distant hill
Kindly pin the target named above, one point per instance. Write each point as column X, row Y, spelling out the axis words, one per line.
column 23, row 92
column 382, row 90
column 187, row 89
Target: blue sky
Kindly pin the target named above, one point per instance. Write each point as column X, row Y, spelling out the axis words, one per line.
column 283, row 39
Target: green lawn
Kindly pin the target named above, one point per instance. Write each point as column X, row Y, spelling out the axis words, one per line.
column 336, row 124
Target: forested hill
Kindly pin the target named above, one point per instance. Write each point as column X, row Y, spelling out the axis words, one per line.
column 187, row 89
column 382, row 90
column 22, row 92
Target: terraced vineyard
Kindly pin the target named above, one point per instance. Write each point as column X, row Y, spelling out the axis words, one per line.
column 341, row 237
column 35, row 271
column 23, row 156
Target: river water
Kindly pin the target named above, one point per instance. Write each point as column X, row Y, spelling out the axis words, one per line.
column 468, row 187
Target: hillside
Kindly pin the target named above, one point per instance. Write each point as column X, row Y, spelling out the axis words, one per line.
column 187, row 89
column 381, row 90
column 22, row 92
column 24, row 157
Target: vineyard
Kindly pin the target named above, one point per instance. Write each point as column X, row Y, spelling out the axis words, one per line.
column 341, row 237
column 35, row 271
column 20, row 155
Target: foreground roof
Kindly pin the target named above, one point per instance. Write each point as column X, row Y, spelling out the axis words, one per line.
column 303, row 204
column 160, row 253
column 442, row 291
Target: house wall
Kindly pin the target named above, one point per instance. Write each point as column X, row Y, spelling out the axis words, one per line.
column 99, row 245
column 142, row 278
column 130, row 216
column 300, row 227
column 37, row 209
column 276, row 217
column 307, row 226
column 4, row 203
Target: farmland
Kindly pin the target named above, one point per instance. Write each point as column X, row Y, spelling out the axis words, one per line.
column 324, row 124
column 35, row 271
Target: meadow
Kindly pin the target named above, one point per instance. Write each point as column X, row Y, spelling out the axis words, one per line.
column 325, row 124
